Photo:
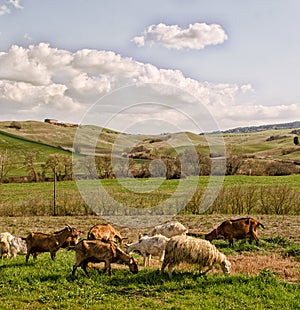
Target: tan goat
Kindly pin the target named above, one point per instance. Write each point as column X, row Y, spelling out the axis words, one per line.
column 97, row 251
column 105, row 232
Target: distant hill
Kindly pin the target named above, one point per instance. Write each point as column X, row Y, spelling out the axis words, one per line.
column 263, row 128
column 257, row 150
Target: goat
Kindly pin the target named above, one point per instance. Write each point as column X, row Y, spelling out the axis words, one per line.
column 40, row 242
column 17, row 246
column 148, row 246
column 71, row 240
column 96, row 251
column 169, row 229
column 236, row 229
column 5, row 240
column 186, row 249
column 105, row 232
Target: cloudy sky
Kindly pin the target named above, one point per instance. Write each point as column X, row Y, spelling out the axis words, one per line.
column 87, row 61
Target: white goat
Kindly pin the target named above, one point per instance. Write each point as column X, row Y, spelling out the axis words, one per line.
column 148, row 246
column 185, row 249
column 169, row 229
column 5, row 240
column 17, row 246
column 11, row 246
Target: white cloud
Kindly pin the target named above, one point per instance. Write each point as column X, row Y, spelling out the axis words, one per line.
column 40, row 81
column 196, row 36
column 15, row 3
column 4, row 10
column 11, row 4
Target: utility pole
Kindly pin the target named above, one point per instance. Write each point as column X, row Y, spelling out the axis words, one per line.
column 54, row 191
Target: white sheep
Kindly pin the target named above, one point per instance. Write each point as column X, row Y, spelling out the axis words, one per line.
column 186, row 249
column 169, row 229
column 148, row 246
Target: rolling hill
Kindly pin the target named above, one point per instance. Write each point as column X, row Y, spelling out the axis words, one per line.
column 253, row 149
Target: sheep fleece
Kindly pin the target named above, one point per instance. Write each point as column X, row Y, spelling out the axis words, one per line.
column 193, row 251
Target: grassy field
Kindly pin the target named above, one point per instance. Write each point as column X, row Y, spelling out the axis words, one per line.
column 238, row 194
column 266, row 276
column 45, row 284
column 263, row 277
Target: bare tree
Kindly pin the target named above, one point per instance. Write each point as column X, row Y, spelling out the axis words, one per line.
column 30, row 164
column 5, row 164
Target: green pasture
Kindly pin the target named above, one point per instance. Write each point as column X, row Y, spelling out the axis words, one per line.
column 47, row 284
column 254, row 194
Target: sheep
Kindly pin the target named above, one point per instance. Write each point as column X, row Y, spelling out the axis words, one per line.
column 40, row 242
column 105, row 232
column 186, row 249
column 169, row 230
column 96, row 251
column 149, row 246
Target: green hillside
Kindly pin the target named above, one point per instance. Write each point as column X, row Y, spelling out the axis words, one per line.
column 17, row 148
column 254, row 150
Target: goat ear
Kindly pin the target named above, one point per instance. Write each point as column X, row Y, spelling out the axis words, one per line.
column 69, row 226
column 140, row 236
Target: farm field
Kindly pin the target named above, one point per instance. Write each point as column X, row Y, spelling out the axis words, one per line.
column 264, row 276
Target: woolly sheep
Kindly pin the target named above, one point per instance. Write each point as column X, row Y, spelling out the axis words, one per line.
column 186, row 249
column 148, row 246
column 169, row 229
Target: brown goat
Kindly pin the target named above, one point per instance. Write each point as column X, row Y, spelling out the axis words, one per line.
column 105, row 232
column 40, row 242
column 236, row 229
column 72, row 240
column 96, row 251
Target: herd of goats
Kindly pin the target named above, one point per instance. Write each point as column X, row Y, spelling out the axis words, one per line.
column 171, row 242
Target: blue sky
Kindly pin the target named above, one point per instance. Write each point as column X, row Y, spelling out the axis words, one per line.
column 240, row 59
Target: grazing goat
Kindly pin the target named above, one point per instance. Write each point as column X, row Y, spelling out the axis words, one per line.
column 40, row 242
column 169, row 230
column 105, row 232
column 185, row 249
column 11, row 246
column 148, row 246
column 97, row 251
column 71, row 240
column 17, row 246
column 5, row 240
column 236, row 229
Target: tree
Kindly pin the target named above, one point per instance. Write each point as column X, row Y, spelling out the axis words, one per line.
column 5, row 164
column 30, row 163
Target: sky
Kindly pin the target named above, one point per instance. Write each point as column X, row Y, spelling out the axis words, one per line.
column 151, row 66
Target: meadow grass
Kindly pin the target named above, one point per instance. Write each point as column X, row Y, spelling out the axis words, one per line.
column 47, row 284
column 38, row 198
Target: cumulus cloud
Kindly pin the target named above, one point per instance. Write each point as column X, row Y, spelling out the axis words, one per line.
column 4, row 10
column 40, row 81
column 11, row 4
column 15, row 3
column 196, row 36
